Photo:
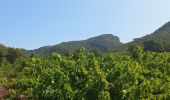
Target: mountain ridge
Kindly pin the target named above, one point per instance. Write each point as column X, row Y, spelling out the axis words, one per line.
column 158, row 41
column 104, row 42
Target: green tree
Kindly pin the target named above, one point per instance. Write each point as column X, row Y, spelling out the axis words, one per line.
column 137, row 53
column 12, row 55
column 96, row 52
column 153, row 45
column 3, row 51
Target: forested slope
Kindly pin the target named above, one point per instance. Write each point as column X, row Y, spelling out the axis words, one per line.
column 103, row 43
column 158, row 41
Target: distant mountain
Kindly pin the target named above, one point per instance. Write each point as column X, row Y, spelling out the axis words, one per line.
column 158, row 41
column 105, row 42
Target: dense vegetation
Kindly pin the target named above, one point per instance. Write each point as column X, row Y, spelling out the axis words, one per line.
column 76, row 76
column 10, row 54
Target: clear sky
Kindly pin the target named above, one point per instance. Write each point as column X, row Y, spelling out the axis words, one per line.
column 31, row 24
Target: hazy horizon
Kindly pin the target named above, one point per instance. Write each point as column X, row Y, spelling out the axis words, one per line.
column 33, row 24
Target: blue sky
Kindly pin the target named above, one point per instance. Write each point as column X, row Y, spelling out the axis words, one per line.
column 31, row 24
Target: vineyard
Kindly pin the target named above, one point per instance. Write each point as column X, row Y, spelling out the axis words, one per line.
column 86, row 76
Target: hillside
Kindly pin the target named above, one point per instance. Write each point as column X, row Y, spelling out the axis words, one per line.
column 158, row 41
column 103, row 43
